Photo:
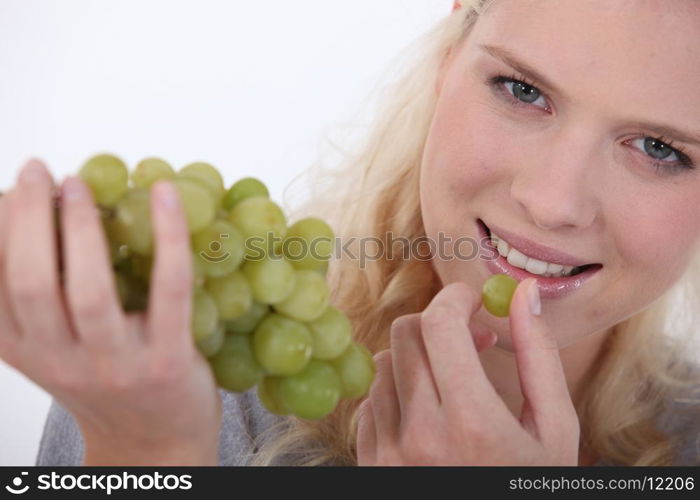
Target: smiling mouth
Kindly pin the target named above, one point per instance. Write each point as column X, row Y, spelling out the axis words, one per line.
column 559, row 271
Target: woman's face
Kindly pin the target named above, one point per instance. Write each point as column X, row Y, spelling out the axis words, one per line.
column 572, row 167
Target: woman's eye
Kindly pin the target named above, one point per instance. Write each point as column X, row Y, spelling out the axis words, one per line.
column 660, row 152
column 657, row 149
column 523, row 92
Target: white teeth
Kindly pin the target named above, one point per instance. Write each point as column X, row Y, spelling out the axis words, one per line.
column 503, row 248
column 535, row 266
column 518, row 259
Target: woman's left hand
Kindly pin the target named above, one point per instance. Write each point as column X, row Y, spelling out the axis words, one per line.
column 432, row 403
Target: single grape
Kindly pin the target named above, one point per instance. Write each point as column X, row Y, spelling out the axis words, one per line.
column 141, row 267
column 497, row 293
column 133, row 293
column 313, row 393
column 205, row 316
column 309, row 298
column 272, row 280
column 219, row 247
column 356, row 369
column 268, row 393
column 131, row 225
column 249, row 321
column 244, row 188
column 151, row 170
column 210, row 345
column 234, row 366
column 261, row 222
column 198, row 270
column 231, row 294
column 308, row 244
column 198, row 204
column 282, row 346
column 108, row 178
column 331, row 334
column 207, row 176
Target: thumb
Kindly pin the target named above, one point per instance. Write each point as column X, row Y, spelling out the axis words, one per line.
column 542, row 379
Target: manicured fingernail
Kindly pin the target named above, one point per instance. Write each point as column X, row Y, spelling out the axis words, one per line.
column 167, row 194
column 73, row 190
column 533, row 295
column 33, row 171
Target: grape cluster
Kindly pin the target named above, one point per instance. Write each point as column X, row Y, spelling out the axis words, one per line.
column 260, row 312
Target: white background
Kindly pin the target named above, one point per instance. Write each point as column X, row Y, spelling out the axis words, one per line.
column 250, row 87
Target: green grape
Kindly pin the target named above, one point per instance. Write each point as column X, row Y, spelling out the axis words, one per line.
column 151, row 170
column 268, row 393
column 260, row 221
column 249, row 321
column 308, row 244
column 331, row 334
column 272, row 280
column 210, row 345
column 108, row 178
column 207, row 176
column 141, row 267
column 131, row 225
column 198, row 271
column 219, row 247
column 231, row 293
column 205, row 316
column 244, row 188
column 497, row 293
column 281, row 345
column 133, row 293
column 234, row 366
column 313, row 393
column 356, row 370
column 198, row 204
column 308, row 299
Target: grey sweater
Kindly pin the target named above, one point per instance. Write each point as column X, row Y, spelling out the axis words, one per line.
column 245, row 420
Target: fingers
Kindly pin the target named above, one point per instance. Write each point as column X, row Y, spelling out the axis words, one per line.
column 384, row 401
column 415, row 386
column 31, row 264
column 170, row 300
column 542, row 379
column 451, row 348
column 366, row 434
column 90, row 288
column 9, row 331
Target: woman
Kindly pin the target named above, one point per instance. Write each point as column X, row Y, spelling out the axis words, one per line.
column 565, row 129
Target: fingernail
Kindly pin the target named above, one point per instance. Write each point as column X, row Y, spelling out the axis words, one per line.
column 167, row 195
column 73, row 190
column 533, row 295
column 33, row 171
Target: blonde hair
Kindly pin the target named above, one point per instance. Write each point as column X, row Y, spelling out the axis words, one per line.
column 375, row 191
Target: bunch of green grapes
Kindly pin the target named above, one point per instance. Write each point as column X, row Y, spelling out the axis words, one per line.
column 261, row 314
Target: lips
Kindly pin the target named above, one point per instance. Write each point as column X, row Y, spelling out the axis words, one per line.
column 550, row 288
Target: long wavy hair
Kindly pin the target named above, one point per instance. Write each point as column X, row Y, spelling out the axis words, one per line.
column 373, row 189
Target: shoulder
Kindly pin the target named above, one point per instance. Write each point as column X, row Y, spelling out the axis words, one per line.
column 244, row 425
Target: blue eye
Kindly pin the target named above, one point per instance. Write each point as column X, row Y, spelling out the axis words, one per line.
column 521, row 93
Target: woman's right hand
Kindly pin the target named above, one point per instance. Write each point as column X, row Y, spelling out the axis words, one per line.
column 139, row 390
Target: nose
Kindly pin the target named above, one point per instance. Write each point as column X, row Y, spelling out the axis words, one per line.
column 557, row 187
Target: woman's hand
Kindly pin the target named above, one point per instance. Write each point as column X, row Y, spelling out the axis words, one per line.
column 432, row 404
column 139, row 390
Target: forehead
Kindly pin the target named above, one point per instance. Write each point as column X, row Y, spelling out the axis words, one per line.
column 637, row 52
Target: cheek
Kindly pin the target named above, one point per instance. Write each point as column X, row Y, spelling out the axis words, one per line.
column 656, row 241
column 461, row 161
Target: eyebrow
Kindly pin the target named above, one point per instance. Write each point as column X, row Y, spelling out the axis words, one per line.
column 509, row 58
